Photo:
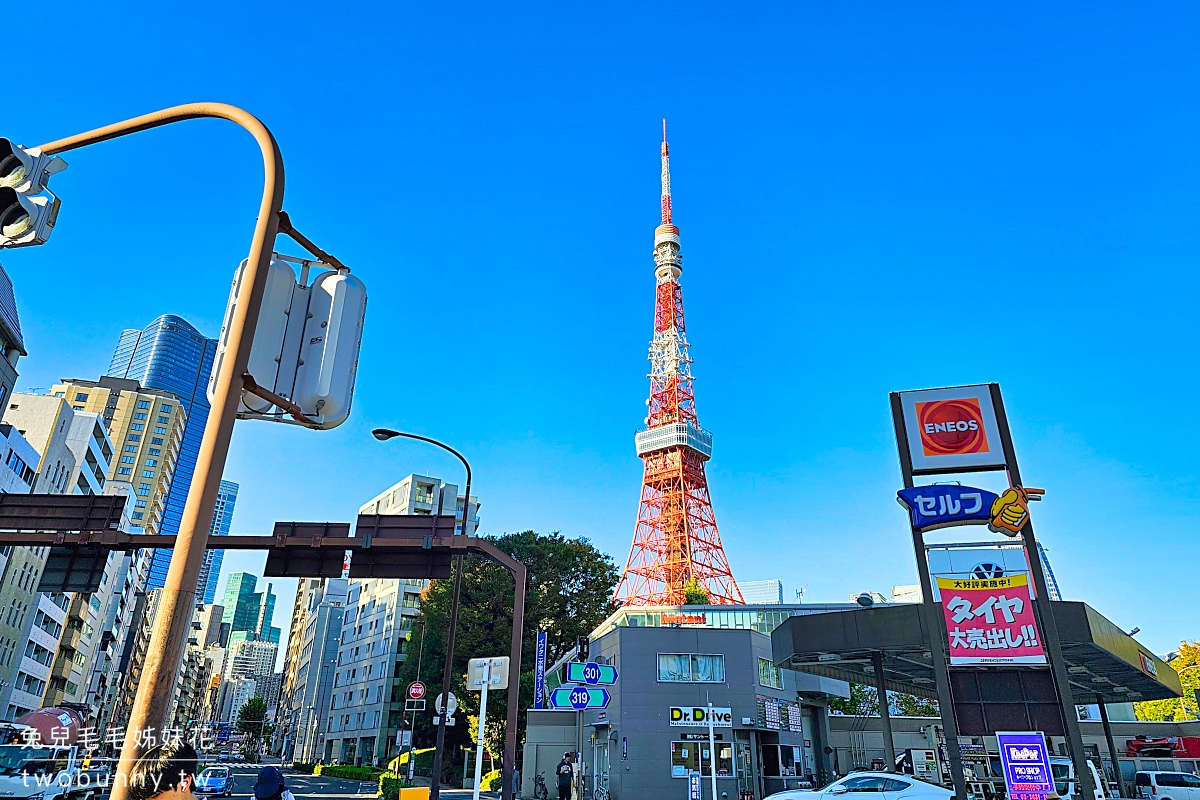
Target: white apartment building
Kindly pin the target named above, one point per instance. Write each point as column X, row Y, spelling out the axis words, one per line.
column 367, row 702
column 45, row 422
column 301, row 715
column 88, row 440
column 18, row 461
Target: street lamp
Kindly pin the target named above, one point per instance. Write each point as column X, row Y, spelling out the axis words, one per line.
column 383, row 434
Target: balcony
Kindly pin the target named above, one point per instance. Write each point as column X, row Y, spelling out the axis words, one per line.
column 62, row 669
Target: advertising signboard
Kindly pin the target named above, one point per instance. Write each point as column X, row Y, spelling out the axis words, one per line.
column 990, row 621
column 697, row 716
column 539, row 672
column 1026, row 765
column 952, row 430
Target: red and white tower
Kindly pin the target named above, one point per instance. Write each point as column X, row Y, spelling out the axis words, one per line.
column 676, row 537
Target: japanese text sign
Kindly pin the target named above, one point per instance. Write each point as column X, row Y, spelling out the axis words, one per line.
column 990, row 621
column 942, row 505
column 952, row 430
column 1026, row 765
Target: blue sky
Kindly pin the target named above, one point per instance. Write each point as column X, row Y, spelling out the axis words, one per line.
column 872, row 197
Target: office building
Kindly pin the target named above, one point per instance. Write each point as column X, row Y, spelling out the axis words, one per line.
column 249, row 612
column 284, row 734
column 302, row 713
column 45, row 422
column 171, row 355
column 146, row 427
column 210, row 570
column 760, row 592
column 18, row 462
column 363, row 718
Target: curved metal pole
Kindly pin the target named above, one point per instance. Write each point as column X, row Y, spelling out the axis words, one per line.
column 177, row 602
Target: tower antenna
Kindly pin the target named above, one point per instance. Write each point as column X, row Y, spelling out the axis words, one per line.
column 675, row 543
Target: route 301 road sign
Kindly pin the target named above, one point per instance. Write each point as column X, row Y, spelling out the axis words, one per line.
column 591, row 673
column 579, row 697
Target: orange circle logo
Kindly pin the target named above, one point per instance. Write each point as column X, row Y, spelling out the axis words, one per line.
column 951, row 427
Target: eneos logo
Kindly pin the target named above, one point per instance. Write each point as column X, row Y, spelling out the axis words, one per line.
column 951, row 427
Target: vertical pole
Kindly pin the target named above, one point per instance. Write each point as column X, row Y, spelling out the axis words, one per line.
column 712, row 752
column 885, row 716
column 932, row 617
column 487, row 678
column 1112, row 747
column 1045, row 613
column 579, row 755
column 514, row 678
column 448, row 667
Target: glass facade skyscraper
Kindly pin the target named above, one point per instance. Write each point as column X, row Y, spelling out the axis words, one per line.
column 170, row 354
column 206, row 587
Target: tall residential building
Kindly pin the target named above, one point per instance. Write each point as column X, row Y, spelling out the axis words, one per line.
column 171, row 355
column 307, row 589
column 210, row 570
column 32, row 623
column 367, row 703
column 147, row 428
column 303, row 713
column 12, row 345
column 762, row 592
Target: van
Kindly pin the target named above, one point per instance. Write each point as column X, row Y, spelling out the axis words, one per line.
column 1063, row 771
column 1166, row 786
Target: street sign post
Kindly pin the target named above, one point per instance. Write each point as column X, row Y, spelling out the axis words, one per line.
column 591, row 673
column 579, row 697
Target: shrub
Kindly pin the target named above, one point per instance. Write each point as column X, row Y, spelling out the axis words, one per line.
column 348, row 772
column 306, row 768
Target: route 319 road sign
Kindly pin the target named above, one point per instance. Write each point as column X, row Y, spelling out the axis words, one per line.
column 579, row 697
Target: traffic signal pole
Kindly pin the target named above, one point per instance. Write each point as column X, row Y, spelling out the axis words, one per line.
column 178, row 600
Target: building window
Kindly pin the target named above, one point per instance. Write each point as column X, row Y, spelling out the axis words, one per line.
column 690, row 667
column 161, row 431
column 143, row 404
column 137, row 426
column 139, row 416
column 151, row 462
column 125, row 471
column 166, row 408
column 143, row 490
column 81, row 397
column 77, row 408
column 137, row 515
column 139, row 504
column 147, row 473
column 129, row 459
column 131, row 448
column 135, row 437
column 153, row 451
column 768, row 674
column 164, row 420
column 156, row 441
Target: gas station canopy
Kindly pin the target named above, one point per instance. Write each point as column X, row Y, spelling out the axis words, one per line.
column 1103, row 662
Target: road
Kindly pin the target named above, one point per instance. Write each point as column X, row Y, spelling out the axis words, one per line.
column 317, row 786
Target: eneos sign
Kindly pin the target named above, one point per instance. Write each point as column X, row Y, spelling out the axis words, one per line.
column 951, row 429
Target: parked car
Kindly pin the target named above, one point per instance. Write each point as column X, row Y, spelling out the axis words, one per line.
column 1067, row 787
column 215, row 781
column 1166, row 785
column 876, row 785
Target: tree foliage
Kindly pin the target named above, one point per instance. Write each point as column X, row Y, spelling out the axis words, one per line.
column 569, row 588
column 864, row 702
column 1187, row 663
column 694, row 593
column 252, row 721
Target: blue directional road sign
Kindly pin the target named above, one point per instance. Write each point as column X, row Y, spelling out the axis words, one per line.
column 579, row 697
column 591, row 673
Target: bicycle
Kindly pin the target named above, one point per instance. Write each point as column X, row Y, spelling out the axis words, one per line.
column 540, row 792
column 601, row 793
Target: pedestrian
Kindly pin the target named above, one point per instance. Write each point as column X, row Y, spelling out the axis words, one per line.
column 270, row 785
column 565, row 771
column 166, row 772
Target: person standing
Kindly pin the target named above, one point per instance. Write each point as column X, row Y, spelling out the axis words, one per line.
column 565, row 772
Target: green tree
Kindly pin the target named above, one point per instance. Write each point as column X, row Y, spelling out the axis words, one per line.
column 694, row 593
column 1187, row 663
column 863, row 700
column 906, row 705
column 252, row 721
column 569, row 588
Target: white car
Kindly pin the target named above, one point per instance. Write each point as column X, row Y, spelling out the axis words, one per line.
column 1155, row 785
column 873, row 785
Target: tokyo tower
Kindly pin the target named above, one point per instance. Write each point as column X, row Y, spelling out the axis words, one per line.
column 676, row 537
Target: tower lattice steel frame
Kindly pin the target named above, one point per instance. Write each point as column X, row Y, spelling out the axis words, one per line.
column 676, row 538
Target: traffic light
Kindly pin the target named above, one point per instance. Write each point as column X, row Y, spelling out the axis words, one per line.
column 28, row 208
column 583, row 644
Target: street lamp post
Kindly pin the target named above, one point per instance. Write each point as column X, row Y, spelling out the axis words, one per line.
column 383, row 434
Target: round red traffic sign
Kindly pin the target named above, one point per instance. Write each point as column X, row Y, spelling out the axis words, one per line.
column 416, row 690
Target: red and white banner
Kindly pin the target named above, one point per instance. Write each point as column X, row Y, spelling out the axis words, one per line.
column 990, row 621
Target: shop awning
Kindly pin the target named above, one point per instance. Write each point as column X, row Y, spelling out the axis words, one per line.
column 1101, row 658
